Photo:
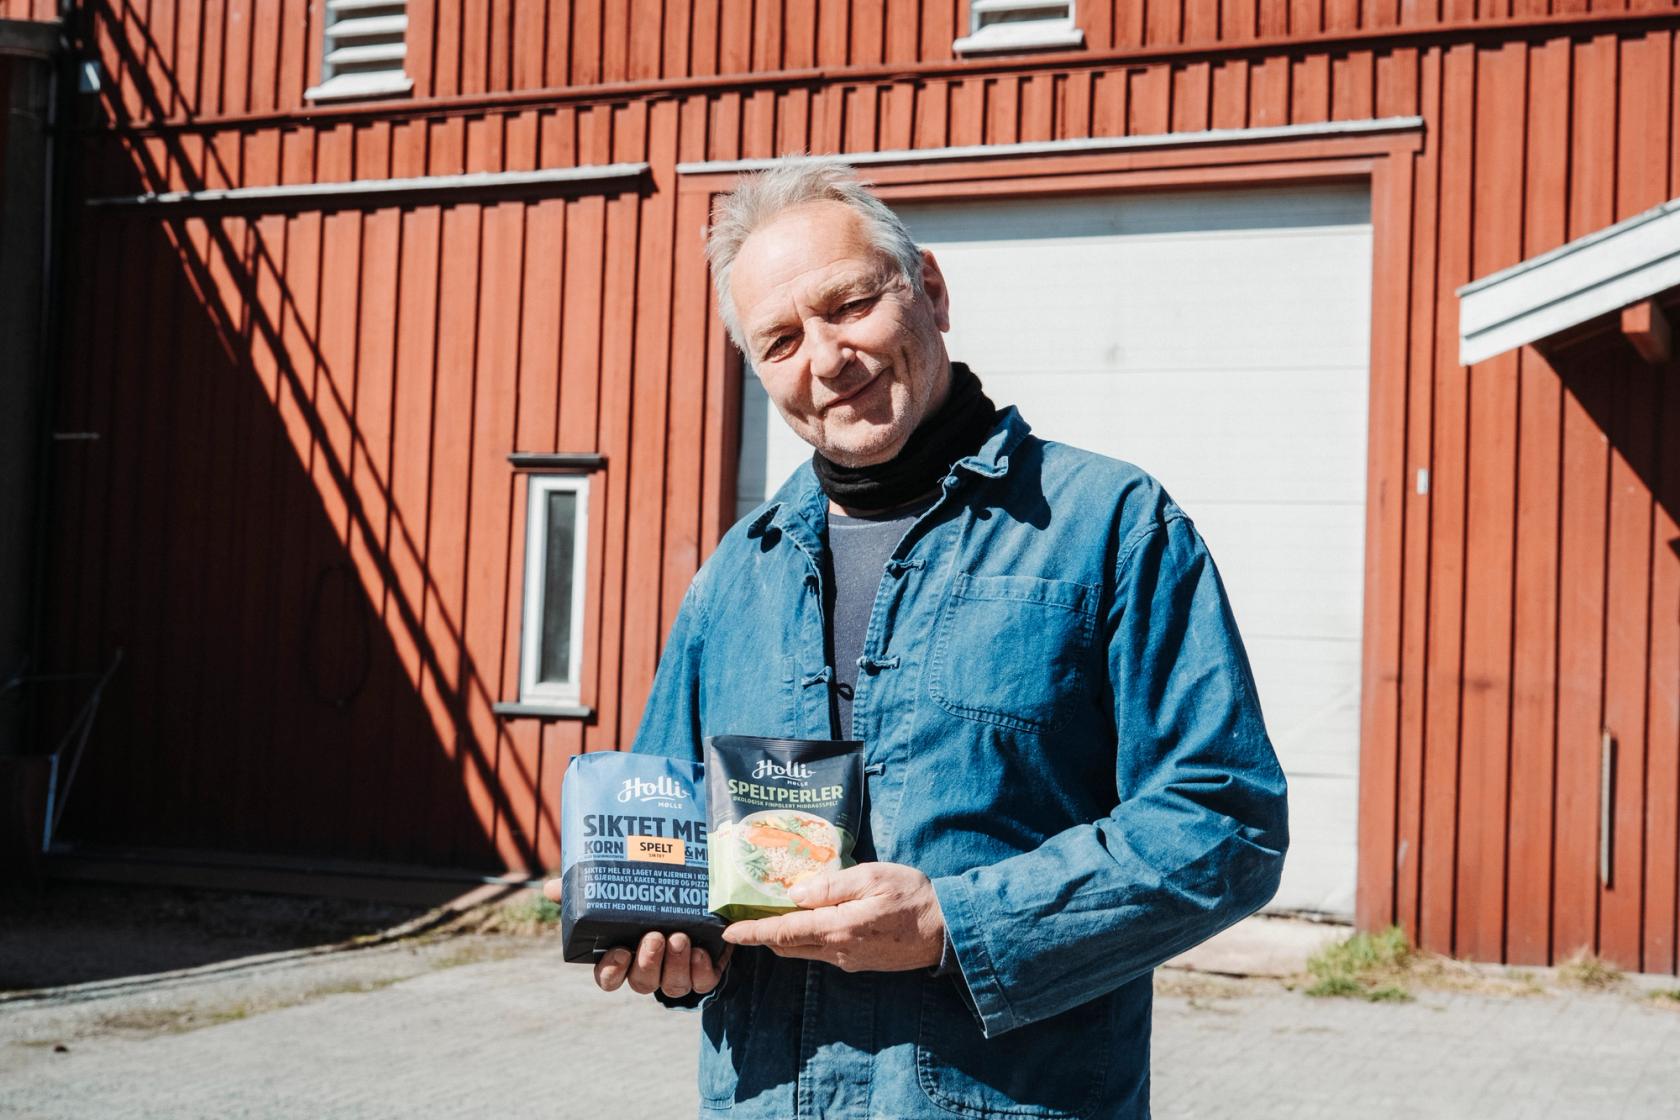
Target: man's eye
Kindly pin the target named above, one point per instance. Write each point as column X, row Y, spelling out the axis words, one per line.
column 853, row 306
column 780, row 347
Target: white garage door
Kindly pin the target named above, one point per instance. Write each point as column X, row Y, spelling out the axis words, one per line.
column 1220, row 341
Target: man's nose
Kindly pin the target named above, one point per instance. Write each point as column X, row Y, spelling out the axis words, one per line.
column 829, row 353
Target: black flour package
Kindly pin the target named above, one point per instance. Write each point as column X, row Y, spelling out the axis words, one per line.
column 632, row 853
column 781, row 810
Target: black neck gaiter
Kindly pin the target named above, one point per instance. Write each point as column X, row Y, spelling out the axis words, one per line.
column 957, row 429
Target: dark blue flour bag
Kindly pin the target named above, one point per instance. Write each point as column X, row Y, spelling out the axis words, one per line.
column 633, row 853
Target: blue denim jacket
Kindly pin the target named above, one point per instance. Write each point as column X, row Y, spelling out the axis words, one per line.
column 1062, row 733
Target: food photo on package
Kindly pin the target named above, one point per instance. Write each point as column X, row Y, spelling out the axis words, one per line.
column 633, row 845
column 779, row 811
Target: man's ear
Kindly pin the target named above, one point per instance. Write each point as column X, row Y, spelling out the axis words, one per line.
column 933, row 283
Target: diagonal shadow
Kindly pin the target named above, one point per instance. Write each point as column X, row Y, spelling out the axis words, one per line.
column 297, row 352
column 1635, row 404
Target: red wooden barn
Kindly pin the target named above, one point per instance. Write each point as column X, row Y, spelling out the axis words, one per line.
column 390, row 417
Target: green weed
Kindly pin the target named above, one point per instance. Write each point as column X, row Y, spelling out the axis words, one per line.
column 1367, row 966
column 527, row 912
column 1588, row 970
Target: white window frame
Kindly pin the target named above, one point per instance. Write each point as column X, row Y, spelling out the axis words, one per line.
column 356, row 39
column 1052, row 27
column 532, row 691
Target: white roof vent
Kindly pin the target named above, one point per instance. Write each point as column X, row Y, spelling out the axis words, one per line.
column 1019, row 25
column 365, row 50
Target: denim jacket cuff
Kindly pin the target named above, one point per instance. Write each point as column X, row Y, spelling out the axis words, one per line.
column 978, row 979
column 947, row 965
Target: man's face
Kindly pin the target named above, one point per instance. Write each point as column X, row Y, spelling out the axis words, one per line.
column 851, row 357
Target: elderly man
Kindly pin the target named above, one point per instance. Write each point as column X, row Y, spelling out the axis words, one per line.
column 1068, row 776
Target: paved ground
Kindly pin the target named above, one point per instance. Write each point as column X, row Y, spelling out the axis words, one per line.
column 1275, row 1053
column 496, row 1026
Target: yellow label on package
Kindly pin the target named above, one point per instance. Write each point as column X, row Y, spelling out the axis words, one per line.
column 653, row 849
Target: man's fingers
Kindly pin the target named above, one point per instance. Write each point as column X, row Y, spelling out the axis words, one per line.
column 702, row 974
column 611, row 969
column 830, row 888
column 705, row 973
column 802, row 928
column 673, row 965
column 650, row 960
column 675, row 980
column 551, row 890
column 753, row 931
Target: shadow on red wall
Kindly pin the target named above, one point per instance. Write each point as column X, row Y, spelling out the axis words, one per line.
column 297, row 680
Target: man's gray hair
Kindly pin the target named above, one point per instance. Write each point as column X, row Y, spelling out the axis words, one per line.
column 797, row 180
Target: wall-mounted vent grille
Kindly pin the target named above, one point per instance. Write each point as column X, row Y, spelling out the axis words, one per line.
column 1019, row 25
column 365, row 49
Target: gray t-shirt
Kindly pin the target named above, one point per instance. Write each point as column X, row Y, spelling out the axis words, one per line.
column 858, row 548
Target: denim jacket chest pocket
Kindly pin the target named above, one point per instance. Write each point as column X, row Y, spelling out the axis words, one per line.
column 1013, row 650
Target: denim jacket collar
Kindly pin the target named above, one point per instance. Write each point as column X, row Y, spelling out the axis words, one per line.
column 800, row 509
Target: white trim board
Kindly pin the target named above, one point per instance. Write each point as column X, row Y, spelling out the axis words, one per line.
column 1590, row 276
column 419, row 185
column 1068, row 147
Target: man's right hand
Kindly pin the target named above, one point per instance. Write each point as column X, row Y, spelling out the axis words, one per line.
column 671, row 965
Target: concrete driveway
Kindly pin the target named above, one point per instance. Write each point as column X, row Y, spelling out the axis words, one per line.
column 496, row 1027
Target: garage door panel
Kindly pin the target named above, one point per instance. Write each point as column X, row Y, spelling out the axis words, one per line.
column 1322, row 813
column 1200, row 212
column 1277, row 586
column 1227, row 446
column 1078, row 324
column 1309, row 690
column 1151, row 329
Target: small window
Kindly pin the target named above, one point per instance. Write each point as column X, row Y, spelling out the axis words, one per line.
column 556, row 543
column 1019, row 25
column 367, row 43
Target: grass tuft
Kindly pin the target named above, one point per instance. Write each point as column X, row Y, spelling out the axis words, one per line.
column 526, row 913
column 1368, row 966
column 1388, row 993
column 1589, row 971
column 533, row 908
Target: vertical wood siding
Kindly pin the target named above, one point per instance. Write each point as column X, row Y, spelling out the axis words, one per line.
column 300, row 523
column 176, row 59
column 1528, row 601
column 33, row 10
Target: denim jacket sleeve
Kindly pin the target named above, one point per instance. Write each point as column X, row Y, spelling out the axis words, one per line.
column 1197, row 838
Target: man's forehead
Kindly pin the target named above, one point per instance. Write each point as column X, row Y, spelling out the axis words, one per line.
column 805, row 253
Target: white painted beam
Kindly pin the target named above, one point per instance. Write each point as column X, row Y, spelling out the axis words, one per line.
column 425, row 185
column 1070, row 147
column 1590, row 276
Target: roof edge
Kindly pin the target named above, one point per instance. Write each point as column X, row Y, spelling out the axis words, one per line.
column 1601, row 272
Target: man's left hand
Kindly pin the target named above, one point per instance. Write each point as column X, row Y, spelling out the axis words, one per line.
column 875, row 917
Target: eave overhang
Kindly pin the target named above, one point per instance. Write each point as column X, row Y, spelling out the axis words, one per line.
column 1595, row 275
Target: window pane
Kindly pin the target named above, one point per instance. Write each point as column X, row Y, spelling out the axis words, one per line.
column 555, row 660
